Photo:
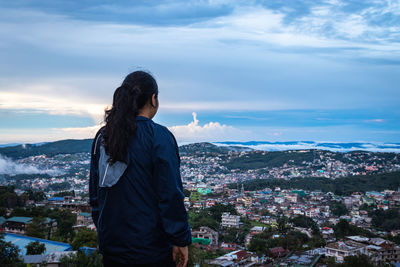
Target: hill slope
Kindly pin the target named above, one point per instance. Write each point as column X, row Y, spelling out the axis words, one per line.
column 69, row 146
column 340, row 186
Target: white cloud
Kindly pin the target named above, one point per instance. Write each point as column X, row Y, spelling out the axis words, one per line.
column 196, row 43
column 254, row 23
column 47, row 134
column 77, row 132
column 351, row 29
column 9, row 167
column 375, row 120
column 192, row 132
column 51, row 104
column 252, row 30
column 211, row 131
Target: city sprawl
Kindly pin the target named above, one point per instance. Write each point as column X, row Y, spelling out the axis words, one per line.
column 246, row 207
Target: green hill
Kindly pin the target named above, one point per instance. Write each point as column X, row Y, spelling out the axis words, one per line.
column 340, row 186
column 72, row 146
column 69, row 146
column 261, row 159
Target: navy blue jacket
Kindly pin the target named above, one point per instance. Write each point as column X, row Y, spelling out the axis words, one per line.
column 138, row 207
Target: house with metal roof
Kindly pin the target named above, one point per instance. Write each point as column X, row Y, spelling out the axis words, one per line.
column 17, row 224
column 21, row 241
column 84, row 219
column 299, row 259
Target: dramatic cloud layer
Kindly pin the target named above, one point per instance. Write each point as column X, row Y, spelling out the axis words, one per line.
column 244, row 66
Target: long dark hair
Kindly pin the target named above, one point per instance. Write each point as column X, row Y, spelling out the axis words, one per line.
column 136, row 89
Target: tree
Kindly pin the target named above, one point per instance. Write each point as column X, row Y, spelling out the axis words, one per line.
column 368, row 207
column 293, row 240
column 35, row 195
column 36, row 228
column 65, row 193
column 343, row 228
column 9, row 253
column 197, row 220
column 303, row 221
column 230, row 235
column 81, row 259
column 84, row 237
column 65, row 222
column 9, row 199
column 186, row 192
column 216, row 211
column 356, row 261
column 198, row 256
column 282, row 224
column 35, row 248
column 386, row 219
column 262, row 241
column 338, row 209
column 265, row 212
column 258, row 245
column 211, row 216
column 3, row 211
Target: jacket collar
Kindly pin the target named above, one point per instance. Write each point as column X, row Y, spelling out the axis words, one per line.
column 142, row 118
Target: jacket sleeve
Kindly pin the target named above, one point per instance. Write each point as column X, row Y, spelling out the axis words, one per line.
column 169, row 189
column 94, row 178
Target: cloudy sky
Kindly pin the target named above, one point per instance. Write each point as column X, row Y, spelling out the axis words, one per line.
column 227, row 70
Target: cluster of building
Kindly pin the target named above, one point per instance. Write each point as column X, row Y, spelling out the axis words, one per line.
column 314, row 204
column 378, row 250
column 206, row 176
column 16, row 230
column 77, row 205
column 212, row 170
column 70, row 171
column 52, row 173
column 267, row 205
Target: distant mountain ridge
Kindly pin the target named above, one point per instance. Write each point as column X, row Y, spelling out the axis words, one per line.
column 9, row 144
column 332, row 146
column 68, row 146
column 71, row 146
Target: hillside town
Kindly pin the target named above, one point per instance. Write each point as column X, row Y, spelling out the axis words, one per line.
column 232, row 223
column 276, row 213
column 210, row 166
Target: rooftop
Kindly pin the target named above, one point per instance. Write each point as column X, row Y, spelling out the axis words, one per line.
column 20, row 219
column 345, row 246
column 21, row 241
column 297, row 259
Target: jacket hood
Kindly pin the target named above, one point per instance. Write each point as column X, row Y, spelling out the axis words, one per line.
column 109, row 174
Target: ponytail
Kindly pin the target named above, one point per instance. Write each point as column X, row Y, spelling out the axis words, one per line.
column 120, row 119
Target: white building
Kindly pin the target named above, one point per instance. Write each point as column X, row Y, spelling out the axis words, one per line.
column 340, row 249
column 228, row 220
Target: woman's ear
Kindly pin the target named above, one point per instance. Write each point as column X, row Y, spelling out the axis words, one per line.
column 154, row 101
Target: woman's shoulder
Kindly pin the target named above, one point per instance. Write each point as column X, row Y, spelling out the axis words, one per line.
column 161, row 129
column 162, row 133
